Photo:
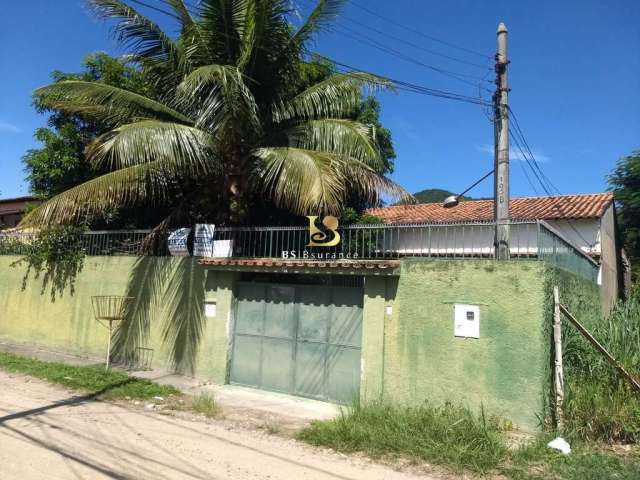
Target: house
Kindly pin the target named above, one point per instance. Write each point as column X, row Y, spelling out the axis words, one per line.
column 13, row 209
column 402, row 312
column 586, row 221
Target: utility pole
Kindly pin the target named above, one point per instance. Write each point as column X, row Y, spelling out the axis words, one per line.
column 501, row 149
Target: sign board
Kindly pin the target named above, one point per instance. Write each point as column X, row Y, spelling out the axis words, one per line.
column 466, row 320
column 203, row 240
column 177, row 242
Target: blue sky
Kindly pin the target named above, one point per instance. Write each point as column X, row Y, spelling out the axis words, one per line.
column 575, row 79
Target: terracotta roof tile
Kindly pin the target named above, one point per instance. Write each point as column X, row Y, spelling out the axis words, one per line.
column 525, row 208
column 276, row 262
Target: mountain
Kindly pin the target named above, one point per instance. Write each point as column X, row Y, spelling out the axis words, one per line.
column 435, row 195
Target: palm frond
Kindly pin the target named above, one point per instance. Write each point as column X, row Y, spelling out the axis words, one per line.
column 182, row 12
column 147, row 286
column 184, row 321
column 373, row 186
column 74, row 96
column 345, row 138
column 138, row 184
column 186, row 148
column 336, row 97
column 226, row 98
column 325, row 12
column 223, row 23
column 302, row 180
column 136, row 31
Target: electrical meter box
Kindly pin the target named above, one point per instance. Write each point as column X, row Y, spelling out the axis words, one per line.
column 466, row 320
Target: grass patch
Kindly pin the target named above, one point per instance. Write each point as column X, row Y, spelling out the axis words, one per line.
column 454, row 437
column 205, row 404
column 448, row 435
column 111, row 384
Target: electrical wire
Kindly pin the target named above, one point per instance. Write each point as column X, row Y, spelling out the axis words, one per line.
column 545, row 183
column 418, row 32
column 366, row 40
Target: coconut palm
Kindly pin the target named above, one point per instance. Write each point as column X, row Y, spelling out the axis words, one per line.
column 230, row 121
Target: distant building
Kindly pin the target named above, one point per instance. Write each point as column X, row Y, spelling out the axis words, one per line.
column 586, row 221
column 13, row 209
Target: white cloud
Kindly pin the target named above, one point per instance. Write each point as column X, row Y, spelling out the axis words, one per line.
column 514, row 153
column 9, row 127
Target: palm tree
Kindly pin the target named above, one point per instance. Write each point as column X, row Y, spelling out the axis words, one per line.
column 231, row 120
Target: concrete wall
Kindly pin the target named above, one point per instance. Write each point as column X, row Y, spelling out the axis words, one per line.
column 504, row 370
column 28, row 315
column 409, row 352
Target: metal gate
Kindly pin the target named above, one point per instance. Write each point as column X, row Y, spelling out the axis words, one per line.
column 299, row 339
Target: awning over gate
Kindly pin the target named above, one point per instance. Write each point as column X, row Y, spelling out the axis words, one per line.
column 360, row 267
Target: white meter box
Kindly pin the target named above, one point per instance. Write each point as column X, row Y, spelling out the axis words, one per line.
column 466, row 320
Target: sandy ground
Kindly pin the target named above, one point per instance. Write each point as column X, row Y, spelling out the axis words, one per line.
column 50, row 433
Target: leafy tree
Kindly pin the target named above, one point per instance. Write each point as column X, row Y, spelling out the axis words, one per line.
column 625, row 183
column 61, row 163
column 228, row 125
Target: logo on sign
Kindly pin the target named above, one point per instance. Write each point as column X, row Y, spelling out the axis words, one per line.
column 327, row 237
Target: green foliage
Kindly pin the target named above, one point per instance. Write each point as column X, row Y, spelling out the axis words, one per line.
column 238, row 117
column 205, row 404
column 108, row 384
column 599, row 405
column 435, row 195
column 448, row 434
column 57, row 253
column 61, row 162
column 624, row 181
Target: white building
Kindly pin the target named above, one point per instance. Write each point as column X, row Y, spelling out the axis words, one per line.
column 586, row 221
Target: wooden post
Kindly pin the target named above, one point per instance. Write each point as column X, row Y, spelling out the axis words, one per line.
column 617, row 365
column 558, row 374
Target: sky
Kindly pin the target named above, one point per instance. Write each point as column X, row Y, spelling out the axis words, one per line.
column 574, row 77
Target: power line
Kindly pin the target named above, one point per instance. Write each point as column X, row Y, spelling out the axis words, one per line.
column 397, row 54
column 418, row 32
column 410, row 87
column 544, row 181
column 414, row 45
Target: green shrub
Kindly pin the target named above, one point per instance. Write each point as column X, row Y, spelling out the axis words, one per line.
column 205, row 404
column 599, row 405
column 449, row 434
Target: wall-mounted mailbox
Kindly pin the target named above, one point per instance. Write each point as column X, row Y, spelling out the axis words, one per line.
column 210, row 309
column 466, row 320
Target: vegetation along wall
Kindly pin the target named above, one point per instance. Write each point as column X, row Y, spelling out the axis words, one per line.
column 163, row 288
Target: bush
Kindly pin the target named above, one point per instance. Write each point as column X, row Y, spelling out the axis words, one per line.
column 449, row 434
column 599, row 405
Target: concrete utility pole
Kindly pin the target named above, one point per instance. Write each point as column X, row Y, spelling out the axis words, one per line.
column 501, row 160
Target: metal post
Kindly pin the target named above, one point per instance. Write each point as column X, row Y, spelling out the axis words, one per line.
column 109, row 345
column 501, row 125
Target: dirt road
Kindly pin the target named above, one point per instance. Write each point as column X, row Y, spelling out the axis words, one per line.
column 49, row 433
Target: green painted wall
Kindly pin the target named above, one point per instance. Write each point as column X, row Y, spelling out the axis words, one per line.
column 504, row 369
column 28, row 315
column 409, row 352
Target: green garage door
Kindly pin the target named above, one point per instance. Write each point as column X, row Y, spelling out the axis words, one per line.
column 298, row 339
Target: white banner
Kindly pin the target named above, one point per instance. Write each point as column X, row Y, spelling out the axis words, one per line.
column 177, row 242
column 203, row 240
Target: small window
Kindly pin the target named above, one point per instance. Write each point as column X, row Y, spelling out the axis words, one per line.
column 470, row 315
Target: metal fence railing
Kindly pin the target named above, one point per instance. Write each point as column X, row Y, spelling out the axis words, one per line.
column 534, row 240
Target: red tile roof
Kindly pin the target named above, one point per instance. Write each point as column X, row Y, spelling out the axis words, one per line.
column 525, row 208
column 276, row 262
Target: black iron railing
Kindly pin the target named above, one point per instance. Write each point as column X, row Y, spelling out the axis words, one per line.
column 533, row 240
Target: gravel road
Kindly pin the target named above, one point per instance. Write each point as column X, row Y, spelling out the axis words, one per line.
column 50, row 433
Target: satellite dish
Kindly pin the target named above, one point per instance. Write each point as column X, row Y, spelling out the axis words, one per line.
column 451, row 201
